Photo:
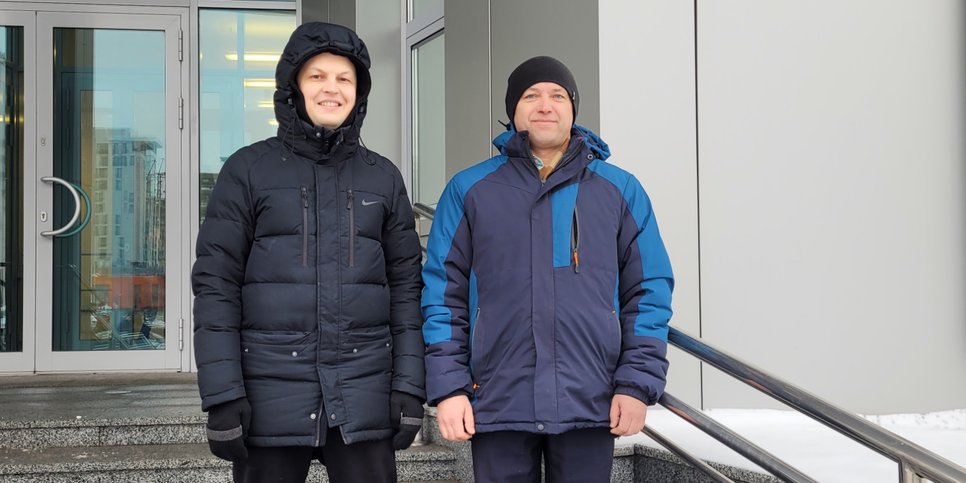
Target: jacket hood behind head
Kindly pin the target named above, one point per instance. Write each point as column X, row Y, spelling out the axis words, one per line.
column 308, row 40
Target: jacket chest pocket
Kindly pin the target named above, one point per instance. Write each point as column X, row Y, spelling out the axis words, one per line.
column 365, row 212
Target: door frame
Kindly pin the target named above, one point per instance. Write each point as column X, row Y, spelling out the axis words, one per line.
column 38, row 20
column 24, row 361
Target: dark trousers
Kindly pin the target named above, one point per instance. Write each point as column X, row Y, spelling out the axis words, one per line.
column 365, row 462
column 581, row 455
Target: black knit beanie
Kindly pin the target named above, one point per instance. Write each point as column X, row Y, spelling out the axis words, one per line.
column 533, row 71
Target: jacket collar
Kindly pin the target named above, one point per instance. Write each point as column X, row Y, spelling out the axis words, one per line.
column 584, row 147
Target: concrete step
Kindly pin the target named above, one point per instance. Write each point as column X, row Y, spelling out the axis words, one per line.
column 101, row 432
column 177, row 462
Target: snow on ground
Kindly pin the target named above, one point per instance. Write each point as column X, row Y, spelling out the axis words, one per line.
column 807, row 445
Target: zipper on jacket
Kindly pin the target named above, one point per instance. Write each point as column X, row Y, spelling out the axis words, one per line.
column 575, row 240
column 476, row 330
column 305, row 227
column 352, row 228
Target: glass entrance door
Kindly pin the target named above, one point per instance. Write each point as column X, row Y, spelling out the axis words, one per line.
column 110, row 210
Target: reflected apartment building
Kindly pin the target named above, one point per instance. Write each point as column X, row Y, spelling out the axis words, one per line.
column 122, row 258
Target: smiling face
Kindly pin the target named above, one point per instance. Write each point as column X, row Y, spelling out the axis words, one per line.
column 545, row 111
column 328, row 85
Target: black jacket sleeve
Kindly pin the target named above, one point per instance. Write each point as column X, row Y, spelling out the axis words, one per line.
column 217, row 278
column 403, row 267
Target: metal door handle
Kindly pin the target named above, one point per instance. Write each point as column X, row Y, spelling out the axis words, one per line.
column 77, row 208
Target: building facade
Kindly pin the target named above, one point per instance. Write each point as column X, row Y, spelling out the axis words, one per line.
column 806, row 161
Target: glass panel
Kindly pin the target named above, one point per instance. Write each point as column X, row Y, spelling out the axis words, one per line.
column 422, row 7
column 11, row 189
column 429, row 120
column 109, row 141
column 239, row 50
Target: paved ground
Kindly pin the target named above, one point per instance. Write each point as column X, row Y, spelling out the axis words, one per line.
column 98, row 396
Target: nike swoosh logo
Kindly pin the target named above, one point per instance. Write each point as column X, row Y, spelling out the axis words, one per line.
column 367, row 203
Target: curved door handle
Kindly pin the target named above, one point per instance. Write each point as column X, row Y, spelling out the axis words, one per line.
column 87, row 213
column 77, row 208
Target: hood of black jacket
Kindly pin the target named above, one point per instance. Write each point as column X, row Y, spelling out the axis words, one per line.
column 294, row 127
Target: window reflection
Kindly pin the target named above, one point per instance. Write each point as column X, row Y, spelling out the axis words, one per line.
column 429, row 120
column 239, row 51
column 422, row 7
column 109, row 142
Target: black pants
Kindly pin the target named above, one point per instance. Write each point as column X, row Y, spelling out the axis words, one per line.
column 365, row 462
column 581, row 455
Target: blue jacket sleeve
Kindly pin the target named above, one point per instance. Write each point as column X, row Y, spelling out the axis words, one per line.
column 644, row 291
column 445, row 302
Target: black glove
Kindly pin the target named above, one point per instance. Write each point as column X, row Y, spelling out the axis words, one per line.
column 406, row 416
column 227, row 428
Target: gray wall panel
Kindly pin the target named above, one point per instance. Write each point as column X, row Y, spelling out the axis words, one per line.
column 378, row 24
column 647, row 115
column 315, row 11
column 480, row 56
column 468, row 127
column 342, row 12
column 567, row 31
column 833, row 224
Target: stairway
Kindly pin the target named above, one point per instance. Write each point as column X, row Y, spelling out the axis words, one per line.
column 132, row 428
column 81, row 428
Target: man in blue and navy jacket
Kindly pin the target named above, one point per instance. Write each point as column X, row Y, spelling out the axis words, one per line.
column 547, row 295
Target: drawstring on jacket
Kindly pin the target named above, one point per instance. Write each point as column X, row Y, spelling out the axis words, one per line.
column 289, row 129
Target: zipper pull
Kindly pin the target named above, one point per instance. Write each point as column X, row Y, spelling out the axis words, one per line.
column 575, row 240
column 349, row 196
column 305, row 197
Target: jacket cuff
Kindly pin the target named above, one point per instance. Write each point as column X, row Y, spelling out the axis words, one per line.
column 636, row 394
column 209, row 401
column 458, row 392
column 411, row 389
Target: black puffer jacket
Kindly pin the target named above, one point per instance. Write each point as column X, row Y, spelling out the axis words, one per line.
column 307, row 280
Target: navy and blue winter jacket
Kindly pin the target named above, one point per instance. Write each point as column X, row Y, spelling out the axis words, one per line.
column 544, row 299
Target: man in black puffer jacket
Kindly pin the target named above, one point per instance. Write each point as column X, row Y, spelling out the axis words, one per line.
column 307, row 283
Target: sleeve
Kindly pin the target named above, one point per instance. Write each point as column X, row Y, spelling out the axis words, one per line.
column 400, row 244
column 645, row 283
column 224, row 243
column 445, row 303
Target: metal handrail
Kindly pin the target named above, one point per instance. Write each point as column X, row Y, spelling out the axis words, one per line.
column 427, row 212
column 424, row 210
column 684, row 455
column 729, row 438
column 915, row 462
